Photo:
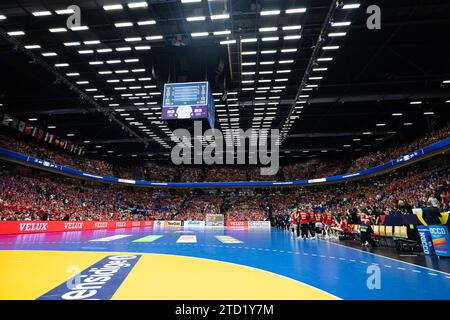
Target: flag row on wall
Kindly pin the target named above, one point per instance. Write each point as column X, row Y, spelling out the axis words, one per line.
column 40, row 134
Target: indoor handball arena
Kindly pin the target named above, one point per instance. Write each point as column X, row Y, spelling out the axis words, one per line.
column 224, row 150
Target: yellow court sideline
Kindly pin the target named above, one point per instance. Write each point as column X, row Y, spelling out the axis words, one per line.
column 30, row 274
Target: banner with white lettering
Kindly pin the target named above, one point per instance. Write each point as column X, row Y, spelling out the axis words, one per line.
column 15, row 227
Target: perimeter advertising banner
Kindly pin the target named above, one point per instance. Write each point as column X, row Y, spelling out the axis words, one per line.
column 237, row 224
column 23, row 227
column 441, row 239
column 173, row 223
column 426, row 240
column 259, row 224
column 194, row 223
column 248, row 224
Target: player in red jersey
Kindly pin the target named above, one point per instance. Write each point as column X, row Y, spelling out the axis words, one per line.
column 328, row 221
column 304, row 223
column 312, row 224
column 294, row 223
column 319, row 223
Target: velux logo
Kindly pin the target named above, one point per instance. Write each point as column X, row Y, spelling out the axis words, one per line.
column 33, row 226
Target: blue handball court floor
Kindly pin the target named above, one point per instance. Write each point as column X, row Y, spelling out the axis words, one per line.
column 342, row 271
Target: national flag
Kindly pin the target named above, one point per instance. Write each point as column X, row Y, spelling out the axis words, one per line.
column 14, row 123
column 21, row 127
column 28, row 129
column 40, row 134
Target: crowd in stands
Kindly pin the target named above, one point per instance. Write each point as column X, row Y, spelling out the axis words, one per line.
column 379, row 157
column 246, row 207
column 213, row 174
column 329, row 168
column 198, row 206
column 313, row 168
column 31, row 196
column 255, row 175
column 60, row 157
column 43, row 196
column 159, row 173
column 191, row 175
column 300, row 171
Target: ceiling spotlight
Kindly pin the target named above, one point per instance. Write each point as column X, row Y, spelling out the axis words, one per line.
column 112, row 7
column 220, row 16
column 270, row 12
column 41, row 13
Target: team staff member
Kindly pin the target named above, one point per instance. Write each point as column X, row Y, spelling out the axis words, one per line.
column 304, row 223
column 366, row 235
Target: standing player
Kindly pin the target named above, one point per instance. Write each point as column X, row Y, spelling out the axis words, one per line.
column 312, row 224
column 304, row 223
column 294, row 223
column 328, row 221
column 319, row 223
column 336, row 228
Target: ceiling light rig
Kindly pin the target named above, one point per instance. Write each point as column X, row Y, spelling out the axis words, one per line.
column 313, row 65
column 28, row 51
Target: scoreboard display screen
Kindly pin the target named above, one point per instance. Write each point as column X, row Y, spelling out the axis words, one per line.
column 188, row 100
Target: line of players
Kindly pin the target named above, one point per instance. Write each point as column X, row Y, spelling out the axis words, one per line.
column 307, row 224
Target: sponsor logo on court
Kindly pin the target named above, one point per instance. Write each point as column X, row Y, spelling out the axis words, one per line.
column 187, row 239
column 98, row 282
column 228, row 239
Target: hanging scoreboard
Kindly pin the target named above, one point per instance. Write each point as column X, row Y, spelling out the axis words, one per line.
column 188, row 100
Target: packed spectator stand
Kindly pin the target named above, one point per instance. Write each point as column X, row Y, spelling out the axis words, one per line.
column 312, row 168
column 27, row 194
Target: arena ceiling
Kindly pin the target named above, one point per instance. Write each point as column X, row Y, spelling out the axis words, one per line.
column 309, row 68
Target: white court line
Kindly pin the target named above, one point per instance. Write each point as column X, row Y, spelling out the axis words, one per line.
column 397, row 260
column 112, row 238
